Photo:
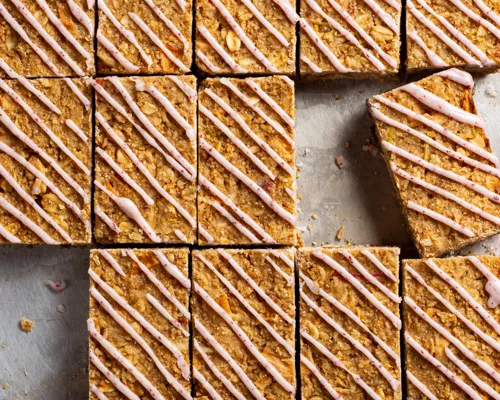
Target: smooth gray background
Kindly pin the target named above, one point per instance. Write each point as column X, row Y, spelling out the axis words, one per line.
column 50, row 362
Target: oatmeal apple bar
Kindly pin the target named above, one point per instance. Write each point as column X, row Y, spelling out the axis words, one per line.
column 244, row 324
column 147, row 36
column 455, row 33
column 247, row 154
column 452, row 327
column 356, row 39
column 46, row 38
column 139, row 324
column 440, row 161
column 145, row 178
column 245, row 37
column 349, row 317
column 45, row 161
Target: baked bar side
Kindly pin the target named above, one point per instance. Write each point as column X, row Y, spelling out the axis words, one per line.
column 138, row 323
column 246, row 170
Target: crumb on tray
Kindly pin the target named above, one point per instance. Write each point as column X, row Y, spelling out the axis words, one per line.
column 26, row 325
column 340, row 233
column 340, row 161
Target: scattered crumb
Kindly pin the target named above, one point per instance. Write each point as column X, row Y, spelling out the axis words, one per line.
column 313, row 243
column 299, row 164
column 339, row 97
column 491, row 91
column 340, row 161
column 58, row 286
column 361, row 91
column 309, row 228
column 5, row 385
column 25, row 373
column 61, row 308
column 26, row 325
column 340, row 233
column 314, row 216
column 299, row 197
column 306, row 152
column 347, row 145
column 371, row 149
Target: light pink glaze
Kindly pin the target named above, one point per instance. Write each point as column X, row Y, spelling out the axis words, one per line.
column 385, row 16
column 249, row 44
column 172, row 269
column 241, row 122
column 386, row 271
column 258, row 110
column 156, row 40
column 126, row 177
column 211, row 66
column 107, row 220
column 117, row 55
column 237, row 224
column 258, row 15
column 440, row 218
column 434, row 59
column 355, row 343
column 219, row 375
column 181, row 235
column 10, row 237
column 359, row 286
column 142, row 168
column 259, row 191
column 310, row 64
column 78, row 132
column 282, row 256
column 457, row 75
column 112, row 261
column 289, row 11
column 78, row 93
column 228, row 202
column 206, row 384
column 440, row 129
column 288, row 278
column 475, row 17
column 220, row 51
column 112, row 377
column 115, row 353
column 323, row 47
column 446, row 372
column 492, row 287
column 207, row 236
column 379, row 115
column 191, row 93
column 443, row 172
column 448, row 195
column 132, row 211
column 324, row 382
column 437, row 103
column 478, row 331
column 100, row 395
column 81, row 16
column 129, row 35
column 163, row 311
column 420, row 386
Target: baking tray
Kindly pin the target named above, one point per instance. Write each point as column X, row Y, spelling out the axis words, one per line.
column 332, row 120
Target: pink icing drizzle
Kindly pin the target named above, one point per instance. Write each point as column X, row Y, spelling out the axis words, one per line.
column 117, row 55
column 288, row 278
column 111, row 260
column 71, row 125
column 211, row 66
column 368, row 254
column 258, row 15
column 163, row 311
column 237, row 224
column 434, row 59
column 420, row 386
column 457, row 75
column 324, row 382
column 206, row 384
column 10, row 237
column 107, row 220
column 310, row 64
column 220, row 50
column 492, row 286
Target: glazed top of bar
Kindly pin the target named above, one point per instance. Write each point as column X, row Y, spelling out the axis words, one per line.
column 441, row 160
column 453, row 33
column 452, row 323
column 353, row 36
column 246, row 37
column 45, row 158
column 139, row 316
column 47, row 38
column 145, row 36
column 246, row 139
column 350, row 321
column 146, row 125
column 244, row 315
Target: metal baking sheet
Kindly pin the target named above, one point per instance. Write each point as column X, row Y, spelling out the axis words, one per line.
column 332, row 120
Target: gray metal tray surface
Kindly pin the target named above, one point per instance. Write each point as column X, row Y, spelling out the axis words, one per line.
column 50, row 363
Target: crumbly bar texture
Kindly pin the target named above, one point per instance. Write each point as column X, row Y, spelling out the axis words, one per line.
column 348, row 346
column 46, row 38
column 145, row 189
column 349, row 39
column 462, row 34
column 253, row 290
column 152, row 37
column 237, row 38
column 440, row 160
column 452, row 320
column 45, row 161
column 246, row 170
column 138, row 338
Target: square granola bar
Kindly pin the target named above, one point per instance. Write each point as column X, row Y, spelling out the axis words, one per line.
column 456, row 33
column 349, row 317
column 355, row 38
column 147, row 36
column 42, row 38
column 245, row 37
column 145, row 174
column 440, row 161
column 244, row 324
column 247, row 155
column 45, row 161
column 139, row 324
column 452, row 327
